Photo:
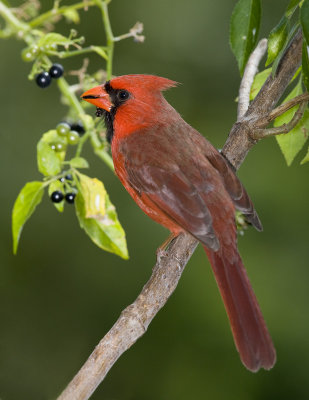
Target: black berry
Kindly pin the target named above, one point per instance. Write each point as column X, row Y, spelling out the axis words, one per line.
column 78, row 127
column 56, row 196
column 69, row 177
column 43, row 79
column 56, row 71
column 70, row 197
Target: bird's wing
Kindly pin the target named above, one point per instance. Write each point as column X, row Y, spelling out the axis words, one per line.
column 152, row 170
column 177, row 198
column 230, row 180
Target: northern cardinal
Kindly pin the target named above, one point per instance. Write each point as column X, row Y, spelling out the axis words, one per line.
column 182, row 182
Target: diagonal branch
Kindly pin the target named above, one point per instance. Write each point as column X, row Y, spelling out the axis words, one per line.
column 134, row 320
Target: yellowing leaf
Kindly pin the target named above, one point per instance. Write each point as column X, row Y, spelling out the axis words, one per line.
column 27, row 200
column 94, row 195
column 106, row 233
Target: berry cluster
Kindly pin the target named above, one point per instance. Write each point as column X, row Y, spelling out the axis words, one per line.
column 70, row 132
column 44, row 79
column 57, row 196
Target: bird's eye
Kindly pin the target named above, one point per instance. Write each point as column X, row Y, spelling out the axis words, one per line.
column 123, row 95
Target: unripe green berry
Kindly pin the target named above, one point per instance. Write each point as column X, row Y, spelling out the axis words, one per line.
column 27, row 55
column 60, row 147
column 34, row 50
column 63, row 129
column 49, row 48
column 73, row 137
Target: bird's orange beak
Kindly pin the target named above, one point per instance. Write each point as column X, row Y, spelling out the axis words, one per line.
column 98, row 97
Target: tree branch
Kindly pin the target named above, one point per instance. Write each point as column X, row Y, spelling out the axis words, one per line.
column 134, row 320
column 239, row 141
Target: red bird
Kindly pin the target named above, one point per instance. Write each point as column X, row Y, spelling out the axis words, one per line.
column 182, row 182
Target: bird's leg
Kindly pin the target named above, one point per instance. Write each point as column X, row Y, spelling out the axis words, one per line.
column 161, row 251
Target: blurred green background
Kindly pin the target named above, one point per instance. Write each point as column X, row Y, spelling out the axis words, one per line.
column 61, row 294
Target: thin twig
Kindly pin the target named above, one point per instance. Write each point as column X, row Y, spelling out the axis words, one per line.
column 135, row 319
column 248, row 77
column 285, row 128
column 276, row 112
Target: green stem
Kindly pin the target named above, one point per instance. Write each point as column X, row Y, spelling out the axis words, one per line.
column 41, row 19
column 81, row 143
column 71, row 97
column 11, row 19
column 99, row 150
column 103, row 5
column 66, row 54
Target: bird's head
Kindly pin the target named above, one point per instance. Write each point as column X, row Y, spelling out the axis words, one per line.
column 130, row 102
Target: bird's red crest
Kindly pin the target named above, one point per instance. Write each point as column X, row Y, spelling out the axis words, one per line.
column 149, row 82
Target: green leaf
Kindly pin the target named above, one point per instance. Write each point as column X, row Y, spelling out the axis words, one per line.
column 244, row 29
column 291, row 8
column 100, row 50
column 54, row 39
column 27, row 200
column 306, row 158
column 305, row 65
column 258, row 82
column 48, row 161
column 79, row 162
column 72, row 16
column 53, row 186
column 277, row 39
column 104, row 230
column 260, row 79
column 304, row 19
column 283, row 49
column 291, row 143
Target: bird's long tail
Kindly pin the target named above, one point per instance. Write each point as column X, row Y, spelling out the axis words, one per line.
column 250, row 333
